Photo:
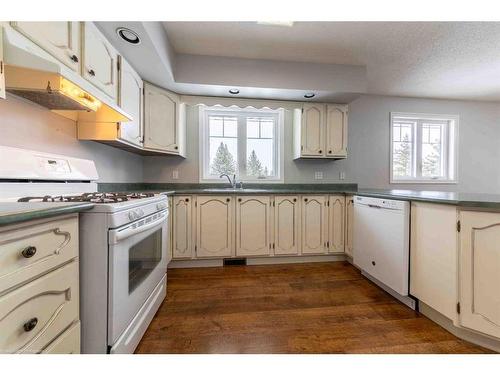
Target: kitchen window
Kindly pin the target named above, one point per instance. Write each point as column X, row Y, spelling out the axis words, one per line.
column 247, row 143
column 423, row 148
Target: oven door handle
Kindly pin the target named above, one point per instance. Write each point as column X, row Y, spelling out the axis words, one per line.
column 130, row 231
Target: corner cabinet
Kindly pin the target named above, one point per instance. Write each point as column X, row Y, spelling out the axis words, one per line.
column 253, row 225
column 60, row 39
column 479, row 272
column 99, row 60
column 320, row 131
column 164, row 121
column 214, row 226
column 2, row 73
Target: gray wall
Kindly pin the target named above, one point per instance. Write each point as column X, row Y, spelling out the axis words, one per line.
column 26, row 125
column 368, row 160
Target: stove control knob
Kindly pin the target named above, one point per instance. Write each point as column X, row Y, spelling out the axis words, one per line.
column 139, row 213
column 161, row 206
column 132, row 215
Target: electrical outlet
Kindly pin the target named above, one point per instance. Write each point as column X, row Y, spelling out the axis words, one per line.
column 342, row 175
column 175, row 174
column 318, row 175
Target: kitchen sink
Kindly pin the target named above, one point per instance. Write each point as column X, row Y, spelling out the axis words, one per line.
column 234, row 190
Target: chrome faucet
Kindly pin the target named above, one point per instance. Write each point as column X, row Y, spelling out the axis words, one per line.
column 231, row 182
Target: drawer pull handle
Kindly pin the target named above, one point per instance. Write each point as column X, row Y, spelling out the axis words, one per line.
column 74, row 58
column 91, row 72
column 29, row 252
column 30, row 324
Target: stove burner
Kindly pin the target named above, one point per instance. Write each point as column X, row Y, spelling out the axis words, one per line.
column 89, row 197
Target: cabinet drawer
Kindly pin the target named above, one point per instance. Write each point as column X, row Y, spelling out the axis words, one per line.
column 34, row 314
column 30, row 251
column 67, row 343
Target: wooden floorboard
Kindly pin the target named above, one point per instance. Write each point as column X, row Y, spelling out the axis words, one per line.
column 292, row 308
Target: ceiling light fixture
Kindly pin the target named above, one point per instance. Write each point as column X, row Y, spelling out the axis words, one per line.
column 234, row 91
column 309, row 95
column 276, row 23
column 128, row 35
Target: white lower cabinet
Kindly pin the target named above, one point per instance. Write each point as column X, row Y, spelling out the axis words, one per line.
column 214, row 226
column 349, row 224
column 314, row 224
column 286, row 225
column 2, row 73
column 480, row 272
column 253, row 225
column 182, row 227
column 336, row 223
column 433, row 256
column 67, row 343
column 32, row 316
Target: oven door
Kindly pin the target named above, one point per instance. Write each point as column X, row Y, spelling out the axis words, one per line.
column 137, row 262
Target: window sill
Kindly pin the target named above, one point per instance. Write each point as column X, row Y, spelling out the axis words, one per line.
column 425, row 182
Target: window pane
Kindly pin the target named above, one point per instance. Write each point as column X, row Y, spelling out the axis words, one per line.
column 402, row 150
column 267, row 128
column 230, row 127
column 260, row 158
column 216, row 126
column 223, row 155
column 252, row 128
column 432, row 158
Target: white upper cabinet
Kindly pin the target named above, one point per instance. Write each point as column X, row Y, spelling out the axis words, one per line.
column 253, row 235
column 286, row 225
column 130, row 100
column 336, row 131
column 60, row 39
column 163, row 122
column 336, row 224
column 314, row 224
column 214, row 226
column 182, row 227
column 2, row 74
column 99, row 60
column 479, row 272
column 320, row 131
column 313, row 129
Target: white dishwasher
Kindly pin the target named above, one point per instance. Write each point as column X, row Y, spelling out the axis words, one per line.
column 381, row 244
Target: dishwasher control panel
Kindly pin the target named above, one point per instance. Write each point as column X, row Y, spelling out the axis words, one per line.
column 381, row 203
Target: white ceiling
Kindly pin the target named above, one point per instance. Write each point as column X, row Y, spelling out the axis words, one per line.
column 456, row 60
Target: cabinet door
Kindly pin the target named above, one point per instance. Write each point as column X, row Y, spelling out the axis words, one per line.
column 314, row 228
column 312, row 133
column 480, row 272
column 60, row 39
column 433, row 256
column 214, row 226
column 130, row 100
column 349, row 220
column 182, row 224
column 336, row 223
column 286, row 225
column 253, row 227
column 160, row 122
column 336, row 131
column 2, row 74
column 99, row 60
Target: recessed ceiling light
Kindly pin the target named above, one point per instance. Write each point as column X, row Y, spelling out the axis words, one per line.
column 309, row 95
column 128, row 35
column 276, row 23
column 234, row 91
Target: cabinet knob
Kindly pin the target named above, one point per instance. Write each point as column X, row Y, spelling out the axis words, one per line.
column 91, row 72
column 329, row 151
column 187, row 199
column 176, row 147
column 228, row 199
column 74, row 58
column 29, row 252
column 239, row 199
column 305, row 199
column 373, row 263
column 320, row 151
column 295, row 199
column 30, row 324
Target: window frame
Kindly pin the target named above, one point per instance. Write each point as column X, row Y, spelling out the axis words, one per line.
column 450, row 145
column 241, row 114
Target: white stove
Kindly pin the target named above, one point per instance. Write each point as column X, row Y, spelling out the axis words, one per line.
column 124, row 244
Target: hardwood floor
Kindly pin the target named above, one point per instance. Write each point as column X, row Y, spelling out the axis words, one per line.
column 293, row 308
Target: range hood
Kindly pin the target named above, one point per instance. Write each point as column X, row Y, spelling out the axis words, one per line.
column 32, row 74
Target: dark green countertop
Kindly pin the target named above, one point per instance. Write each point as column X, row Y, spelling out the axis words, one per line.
column 478, row 200
column 16, row 212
